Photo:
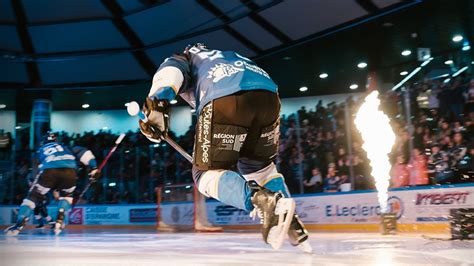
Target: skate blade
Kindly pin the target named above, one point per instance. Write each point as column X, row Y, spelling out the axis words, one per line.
column 305, row 247
column 208, row 229
column 12, row 233
column 285, row 209
column 57, row 229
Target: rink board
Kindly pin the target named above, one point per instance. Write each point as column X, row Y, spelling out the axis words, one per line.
column 420, row 209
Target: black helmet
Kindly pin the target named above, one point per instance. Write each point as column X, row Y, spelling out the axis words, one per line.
column 49, row 137
column 198, row 45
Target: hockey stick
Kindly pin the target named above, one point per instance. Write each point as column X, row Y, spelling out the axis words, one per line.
column 134, row 110
column 101, row 166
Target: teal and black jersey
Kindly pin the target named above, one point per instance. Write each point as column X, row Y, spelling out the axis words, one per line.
column 212, row 74
column 55, row 155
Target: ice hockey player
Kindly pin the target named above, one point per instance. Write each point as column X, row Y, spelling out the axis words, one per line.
column 57, row 171
column 238, row 126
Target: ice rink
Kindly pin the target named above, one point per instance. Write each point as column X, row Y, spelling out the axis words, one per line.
column 121, row 247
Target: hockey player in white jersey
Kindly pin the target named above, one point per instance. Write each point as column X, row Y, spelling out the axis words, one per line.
column 237, row 128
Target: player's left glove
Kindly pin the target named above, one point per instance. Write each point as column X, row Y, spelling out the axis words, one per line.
column 157, row 112
column 94, row 175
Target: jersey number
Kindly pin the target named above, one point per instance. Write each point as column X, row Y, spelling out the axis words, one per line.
column 54, row 149
column 211, row 55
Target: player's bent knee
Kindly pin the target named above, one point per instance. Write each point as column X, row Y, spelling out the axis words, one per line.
column 67, row 199
column 29, row 203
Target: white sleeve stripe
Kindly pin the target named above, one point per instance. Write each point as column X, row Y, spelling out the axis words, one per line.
column 87, row 157
column 167, row 77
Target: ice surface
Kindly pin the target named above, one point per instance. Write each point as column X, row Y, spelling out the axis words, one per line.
column 121, row 247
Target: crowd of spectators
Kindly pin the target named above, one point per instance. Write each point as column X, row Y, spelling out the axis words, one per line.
column 314, row 154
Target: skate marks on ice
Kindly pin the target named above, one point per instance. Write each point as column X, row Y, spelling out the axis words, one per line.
column 152, row 248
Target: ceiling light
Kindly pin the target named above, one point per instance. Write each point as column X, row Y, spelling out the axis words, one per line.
column 323, row 75
column 18, row 127
column 353, row 86
column 3, row 106
column 362, row 65
column 193, row 111
column 403, row 73
column 303, row 89
column 466, row 47
column 127, row 104
column 105, row 128
column 174, row 101
column 286, row 58
column 406, row 52
column 457, row 38
column 448, row 62
column 85, row 106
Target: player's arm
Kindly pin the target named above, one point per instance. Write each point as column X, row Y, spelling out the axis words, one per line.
column 170, row 78
column 87, row 158
column 168, row 81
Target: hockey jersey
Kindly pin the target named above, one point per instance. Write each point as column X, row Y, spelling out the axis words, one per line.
column 211, row 74
column 55, row 155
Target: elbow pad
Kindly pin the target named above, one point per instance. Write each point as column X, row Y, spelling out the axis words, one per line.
column 166, row 83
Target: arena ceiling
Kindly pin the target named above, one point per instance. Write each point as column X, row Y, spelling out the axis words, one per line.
column 105, row 52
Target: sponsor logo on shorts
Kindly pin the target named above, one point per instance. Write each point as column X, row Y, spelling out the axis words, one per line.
column 205, row 129
column 76, row 216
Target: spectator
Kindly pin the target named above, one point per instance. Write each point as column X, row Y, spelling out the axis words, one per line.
column 399, row 173
column 5, row 145
column 331, row 182
column 314, row 184
column 417, row 169
column 439, row 164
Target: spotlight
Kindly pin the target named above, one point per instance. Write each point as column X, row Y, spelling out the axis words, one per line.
column 403, row 73
column 302, row 89
column 323, row 75
column 448, row 62
column 174, row 101
column 406, row 52
column 457, row 38
column 3, row 106
column 85, row 106
column 362, row 65
column 353, row 86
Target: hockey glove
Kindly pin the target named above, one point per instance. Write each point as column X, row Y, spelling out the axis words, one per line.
column 157, row 112
column 94, row 175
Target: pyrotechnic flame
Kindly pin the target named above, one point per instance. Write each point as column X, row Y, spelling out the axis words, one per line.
column 378, row 139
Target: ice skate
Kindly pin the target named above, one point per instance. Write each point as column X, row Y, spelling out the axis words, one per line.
column 59, row 225
column 298, row 235
column 206, row 227
column 16, row 228
column 275, row 214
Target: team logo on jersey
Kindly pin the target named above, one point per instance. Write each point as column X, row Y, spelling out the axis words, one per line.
column 221, row 70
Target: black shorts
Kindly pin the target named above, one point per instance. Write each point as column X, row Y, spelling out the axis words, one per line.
column 61, row 179
column 245, row 124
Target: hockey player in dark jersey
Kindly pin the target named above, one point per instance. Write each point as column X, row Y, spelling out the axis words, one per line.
column 238, row 128
column 57, row 171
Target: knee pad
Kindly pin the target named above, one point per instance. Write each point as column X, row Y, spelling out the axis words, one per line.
column 29, row 203
column 226, row 186
column 65, row 203
column 269, row 178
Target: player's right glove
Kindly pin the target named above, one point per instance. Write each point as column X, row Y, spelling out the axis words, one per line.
column 157, row 112
column 94, row 175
